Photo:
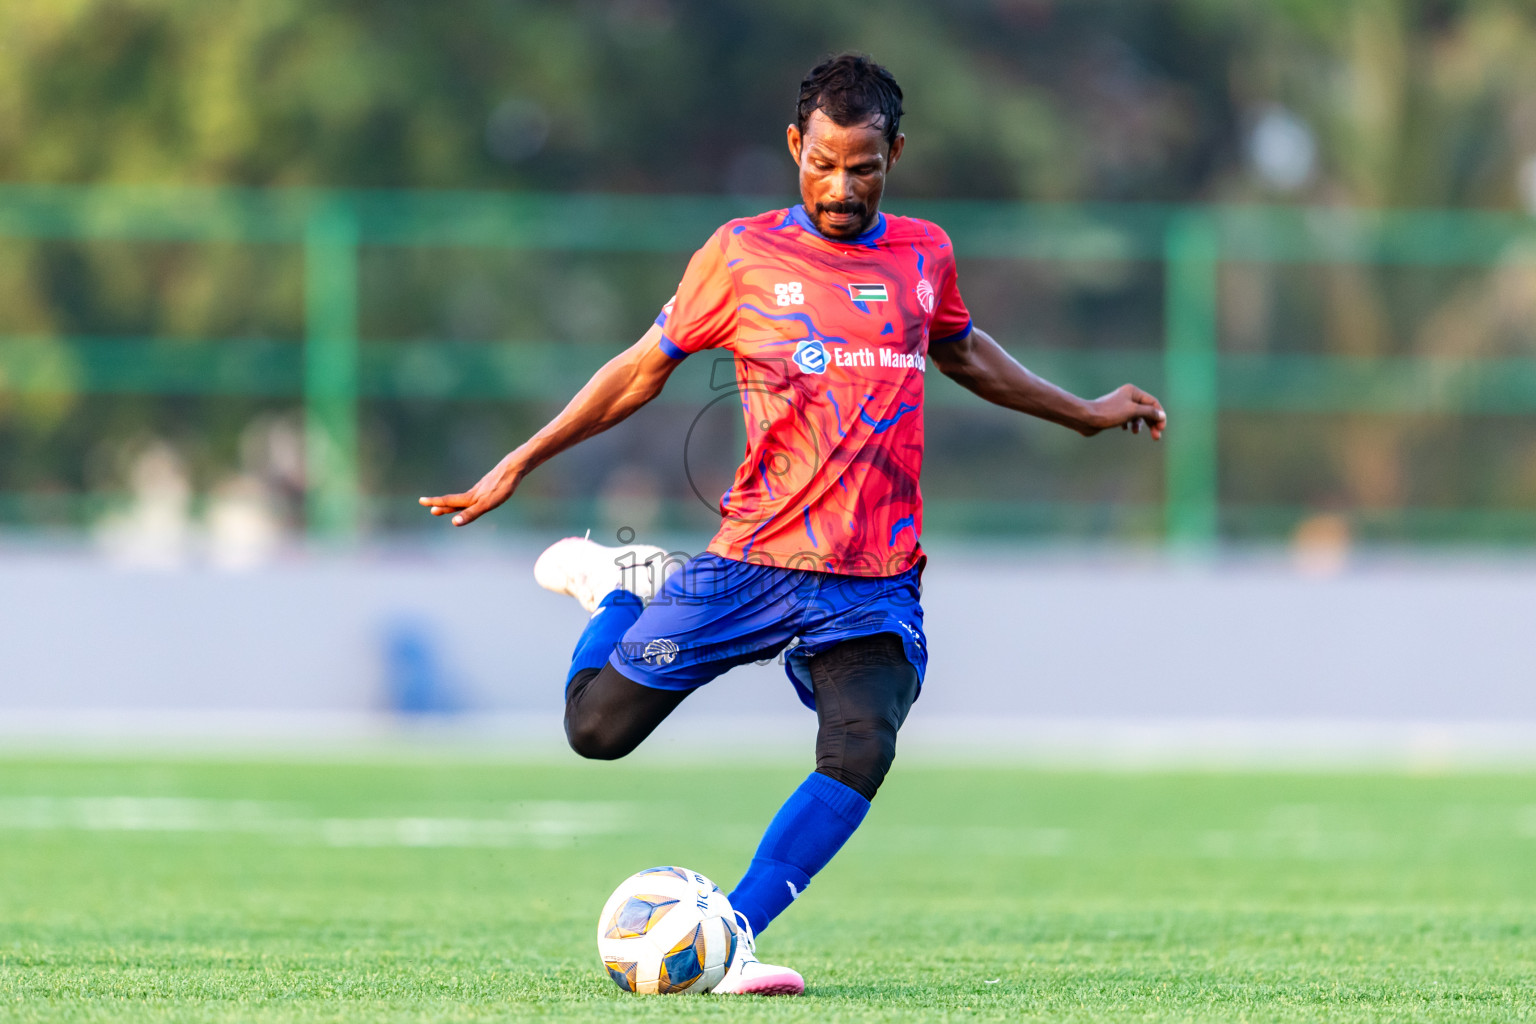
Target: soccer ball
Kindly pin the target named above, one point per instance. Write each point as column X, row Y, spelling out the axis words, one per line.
column 666, row 930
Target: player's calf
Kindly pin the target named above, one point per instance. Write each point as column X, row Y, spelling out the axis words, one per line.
column 607, row 715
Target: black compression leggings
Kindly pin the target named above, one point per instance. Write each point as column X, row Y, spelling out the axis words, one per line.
column 864, row 688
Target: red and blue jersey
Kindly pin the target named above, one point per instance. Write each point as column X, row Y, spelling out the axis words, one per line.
column 831, row 340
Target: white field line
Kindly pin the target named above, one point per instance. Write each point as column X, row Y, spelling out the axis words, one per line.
column 540, row 824
column 1289, row 832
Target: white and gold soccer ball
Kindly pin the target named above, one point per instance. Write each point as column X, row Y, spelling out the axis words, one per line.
column 666, row 930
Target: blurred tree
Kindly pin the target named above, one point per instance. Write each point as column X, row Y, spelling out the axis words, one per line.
column 1371, row 102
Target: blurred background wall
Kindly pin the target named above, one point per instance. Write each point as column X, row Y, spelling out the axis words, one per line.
column 270, row 270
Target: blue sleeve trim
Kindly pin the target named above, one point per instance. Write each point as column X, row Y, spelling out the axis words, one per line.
column 952, row 337
column 671, row 349
column 661, row 319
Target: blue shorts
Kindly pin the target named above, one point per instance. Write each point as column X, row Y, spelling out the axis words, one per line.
column 716, row 613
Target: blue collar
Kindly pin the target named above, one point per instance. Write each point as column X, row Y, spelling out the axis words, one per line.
column 799, row 216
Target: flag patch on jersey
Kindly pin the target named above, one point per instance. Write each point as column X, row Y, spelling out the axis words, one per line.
column 867, row 293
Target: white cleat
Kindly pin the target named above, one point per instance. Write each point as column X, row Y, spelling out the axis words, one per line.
column 589, row 572
column 747, row 976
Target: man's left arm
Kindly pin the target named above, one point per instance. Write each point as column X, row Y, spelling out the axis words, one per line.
column 979, row 364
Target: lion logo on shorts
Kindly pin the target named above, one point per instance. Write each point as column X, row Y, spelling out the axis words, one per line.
column 660, row 652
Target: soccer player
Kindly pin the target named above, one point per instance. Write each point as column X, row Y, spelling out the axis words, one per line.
column 833, row 311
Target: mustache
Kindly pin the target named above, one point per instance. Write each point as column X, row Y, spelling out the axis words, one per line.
column 850, row 206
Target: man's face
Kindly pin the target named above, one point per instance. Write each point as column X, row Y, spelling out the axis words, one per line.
column 842, row 173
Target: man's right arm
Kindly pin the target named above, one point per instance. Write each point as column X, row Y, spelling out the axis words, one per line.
column 623, row 385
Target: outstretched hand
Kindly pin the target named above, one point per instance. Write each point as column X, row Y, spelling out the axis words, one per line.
column 493, row 489
column 624, row 384
column 1129, row 408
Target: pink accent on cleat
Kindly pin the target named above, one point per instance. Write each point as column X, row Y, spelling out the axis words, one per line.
column 767, row 981
column 748, row 976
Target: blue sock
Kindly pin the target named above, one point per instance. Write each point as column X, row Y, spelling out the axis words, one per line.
column 813, row 824
column 615, row 614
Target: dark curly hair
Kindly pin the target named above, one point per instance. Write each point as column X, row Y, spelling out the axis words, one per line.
column 852, row 90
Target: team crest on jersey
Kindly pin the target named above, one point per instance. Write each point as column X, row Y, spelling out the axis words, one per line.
column 868, row 293
column 811, row 356
column 925, row 295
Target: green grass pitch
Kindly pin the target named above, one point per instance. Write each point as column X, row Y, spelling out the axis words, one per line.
column 426, row 889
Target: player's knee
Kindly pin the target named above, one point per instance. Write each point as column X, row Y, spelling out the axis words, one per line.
column 862, row 759
column 589, row 739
